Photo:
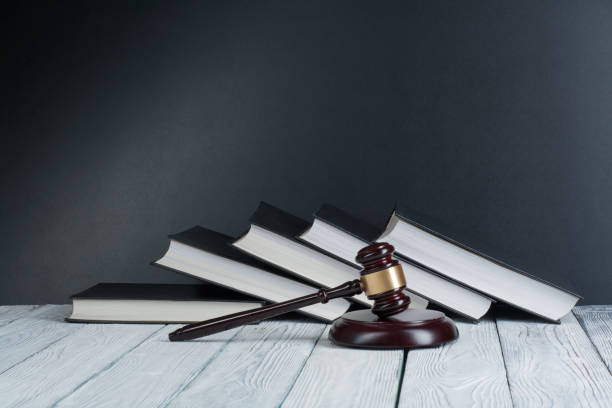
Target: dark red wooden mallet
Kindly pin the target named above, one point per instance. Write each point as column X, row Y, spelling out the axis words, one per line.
column 389, row 324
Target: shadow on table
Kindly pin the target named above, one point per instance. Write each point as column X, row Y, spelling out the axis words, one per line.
column 505, row 312
column 498, row 311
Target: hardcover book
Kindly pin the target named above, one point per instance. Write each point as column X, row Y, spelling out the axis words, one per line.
column 475, row 269
column 272, row 238
column 156, row 303
column 339, row 232
column 209, row 255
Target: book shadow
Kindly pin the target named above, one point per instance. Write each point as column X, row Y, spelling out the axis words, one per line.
column 496, row 312
column 501, row 311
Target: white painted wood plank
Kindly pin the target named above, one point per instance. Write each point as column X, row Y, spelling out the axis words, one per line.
column 57, row 370
column 33, row 332
column 550, row 365
column 150, row 374
column 597, row 322
column 347, row 377
column 12, row 313
column 468, row 372
column 256, row 369
column 594, row 308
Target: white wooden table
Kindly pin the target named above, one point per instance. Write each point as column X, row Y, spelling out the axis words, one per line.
column 501, row 362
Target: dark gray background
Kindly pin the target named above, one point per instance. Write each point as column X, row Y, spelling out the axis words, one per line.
column 125, row 122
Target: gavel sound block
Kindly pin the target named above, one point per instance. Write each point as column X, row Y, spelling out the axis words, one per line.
column 389, row 324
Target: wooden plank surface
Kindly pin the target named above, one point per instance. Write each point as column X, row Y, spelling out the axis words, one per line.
column 9, row 314
column 151, row 374
column 465, row 373
column 57, row 370
column 594, row 308
column 345, row 377
column 256, row 369
column 597, row 322
column 46, row 361
column 33, row 332
column 550, row 365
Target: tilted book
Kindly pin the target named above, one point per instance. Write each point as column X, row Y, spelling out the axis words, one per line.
column 475, row 269
column 272, row 238
column 340, row 232
column 209, row 255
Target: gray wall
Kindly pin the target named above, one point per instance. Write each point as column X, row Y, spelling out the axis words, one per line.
column 125, row 122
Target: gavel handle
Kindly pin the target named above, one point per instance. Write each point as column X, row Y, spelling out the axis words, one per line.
column 219, row 324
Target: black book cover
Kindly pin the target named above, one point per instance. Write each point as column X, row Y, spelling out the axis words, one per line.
column 216, row 243
column 153, row 291
column 368, row 233
column 348, row 223
column 220, row 244
column 278, row 221
column 288, row 226
column 411, row 216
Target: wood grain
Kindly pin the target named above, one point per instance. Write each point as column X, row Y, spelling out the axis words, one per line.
column 346, row 377
column 11, row 313
column 57, row 370
column 597, row 322
column 467, row 372
column 50, row 362
column 594, row 308
column 33, row 332
column 256, row 369
column 550, row 365
column 149, row 375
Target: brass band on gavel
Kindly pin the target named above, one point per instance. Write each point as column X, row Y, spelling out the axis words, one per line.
column 383, row 281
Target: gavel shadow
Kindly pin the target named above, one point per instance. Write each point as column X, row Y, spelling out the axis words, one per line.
column 281, row 324
column 277, row 334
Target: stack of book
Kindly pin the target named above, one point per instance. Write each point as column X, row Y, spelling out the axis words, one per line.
column 282, row 256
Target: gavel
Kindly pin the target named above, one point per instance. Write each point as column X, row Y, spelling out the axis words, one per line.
column 389, row 324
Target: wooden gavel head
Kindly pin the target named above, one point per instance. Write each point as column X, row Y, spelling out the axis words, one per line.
column 382, row 279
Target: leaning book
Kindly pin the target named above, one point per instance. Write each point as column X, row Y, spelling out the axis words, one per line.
column 210, row 256
column 340, row 232
column 272, row 237
column 460, row 262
